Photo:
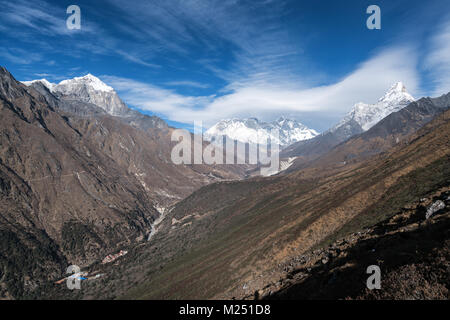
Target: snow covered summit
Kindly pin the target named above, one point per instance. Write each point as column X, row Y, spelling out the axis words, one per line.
column 89, row 89
column 252, row 130
column 368, row 115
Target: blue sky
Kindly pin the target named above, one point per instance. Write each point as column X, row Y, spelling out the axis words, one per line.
column 211, row 59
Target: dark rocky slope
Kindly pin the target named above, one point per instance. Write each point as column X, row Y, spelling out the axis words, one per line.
column 413, row 254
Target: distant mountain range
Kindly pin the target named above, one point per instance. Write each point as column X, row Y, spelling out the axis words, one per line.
column 101, row 98
column 361, row 118
column 252, row 130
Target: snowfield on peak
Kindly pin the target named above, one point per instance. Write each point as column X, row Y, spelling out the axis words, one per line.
column 88, row 80
column 253, row 131
column 368, row 115
column 50, row 86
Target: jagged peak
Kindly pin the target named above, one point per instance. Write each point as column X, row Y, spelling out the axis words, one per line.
column 49, row 85
column 367, row 115
column 90, row 80
column 398, row 87
column 281, row 119
column 254, row 131
column 396, row 91
column 3, row 70
column 9, row 86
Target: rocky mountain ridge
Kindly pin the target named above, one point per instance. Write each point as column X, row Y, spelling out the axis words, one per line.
column 74, row 188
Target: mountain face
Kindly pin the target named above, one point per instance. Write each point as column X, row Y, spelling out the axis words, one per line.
column 387, row 133
column 254, row 131
column 360, row 119
column 88, row 96
column 140, row 143
column 88, row 89
column 367, row 115
column 61, row 198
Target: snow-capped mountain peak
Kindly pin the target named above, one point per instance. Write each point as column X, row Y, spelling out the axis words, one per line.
column 50, row 86
column 88, row 80
column 397, row 92
column 89, row 89
column 251, row 130
column 367, row 115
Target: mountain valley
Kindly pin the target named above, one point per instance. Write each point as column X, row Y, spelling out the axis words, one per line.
column 82, row 176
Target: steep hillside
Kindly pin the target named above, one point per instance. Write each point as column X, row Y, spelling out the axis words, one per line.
column 74, row 188
column 227, row 240
column 412, row 251
column 60, row 195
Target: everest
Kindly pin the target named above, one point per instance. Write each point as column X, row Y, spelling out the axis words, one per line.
column 254, row 131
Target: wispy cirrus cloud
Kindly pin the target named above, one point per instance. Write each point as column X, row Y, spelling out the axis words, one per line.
column 20, row 56
column 35, row 22
column 249, row 31
column 192, row 84
column 36, row 15
column 438, row 61
column 136, row 59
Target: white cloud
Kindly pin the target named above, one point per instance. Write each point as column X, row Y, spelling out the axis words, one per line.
column 367, row 83
column 438, row 61
column 134, row 58
column 154, row 98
